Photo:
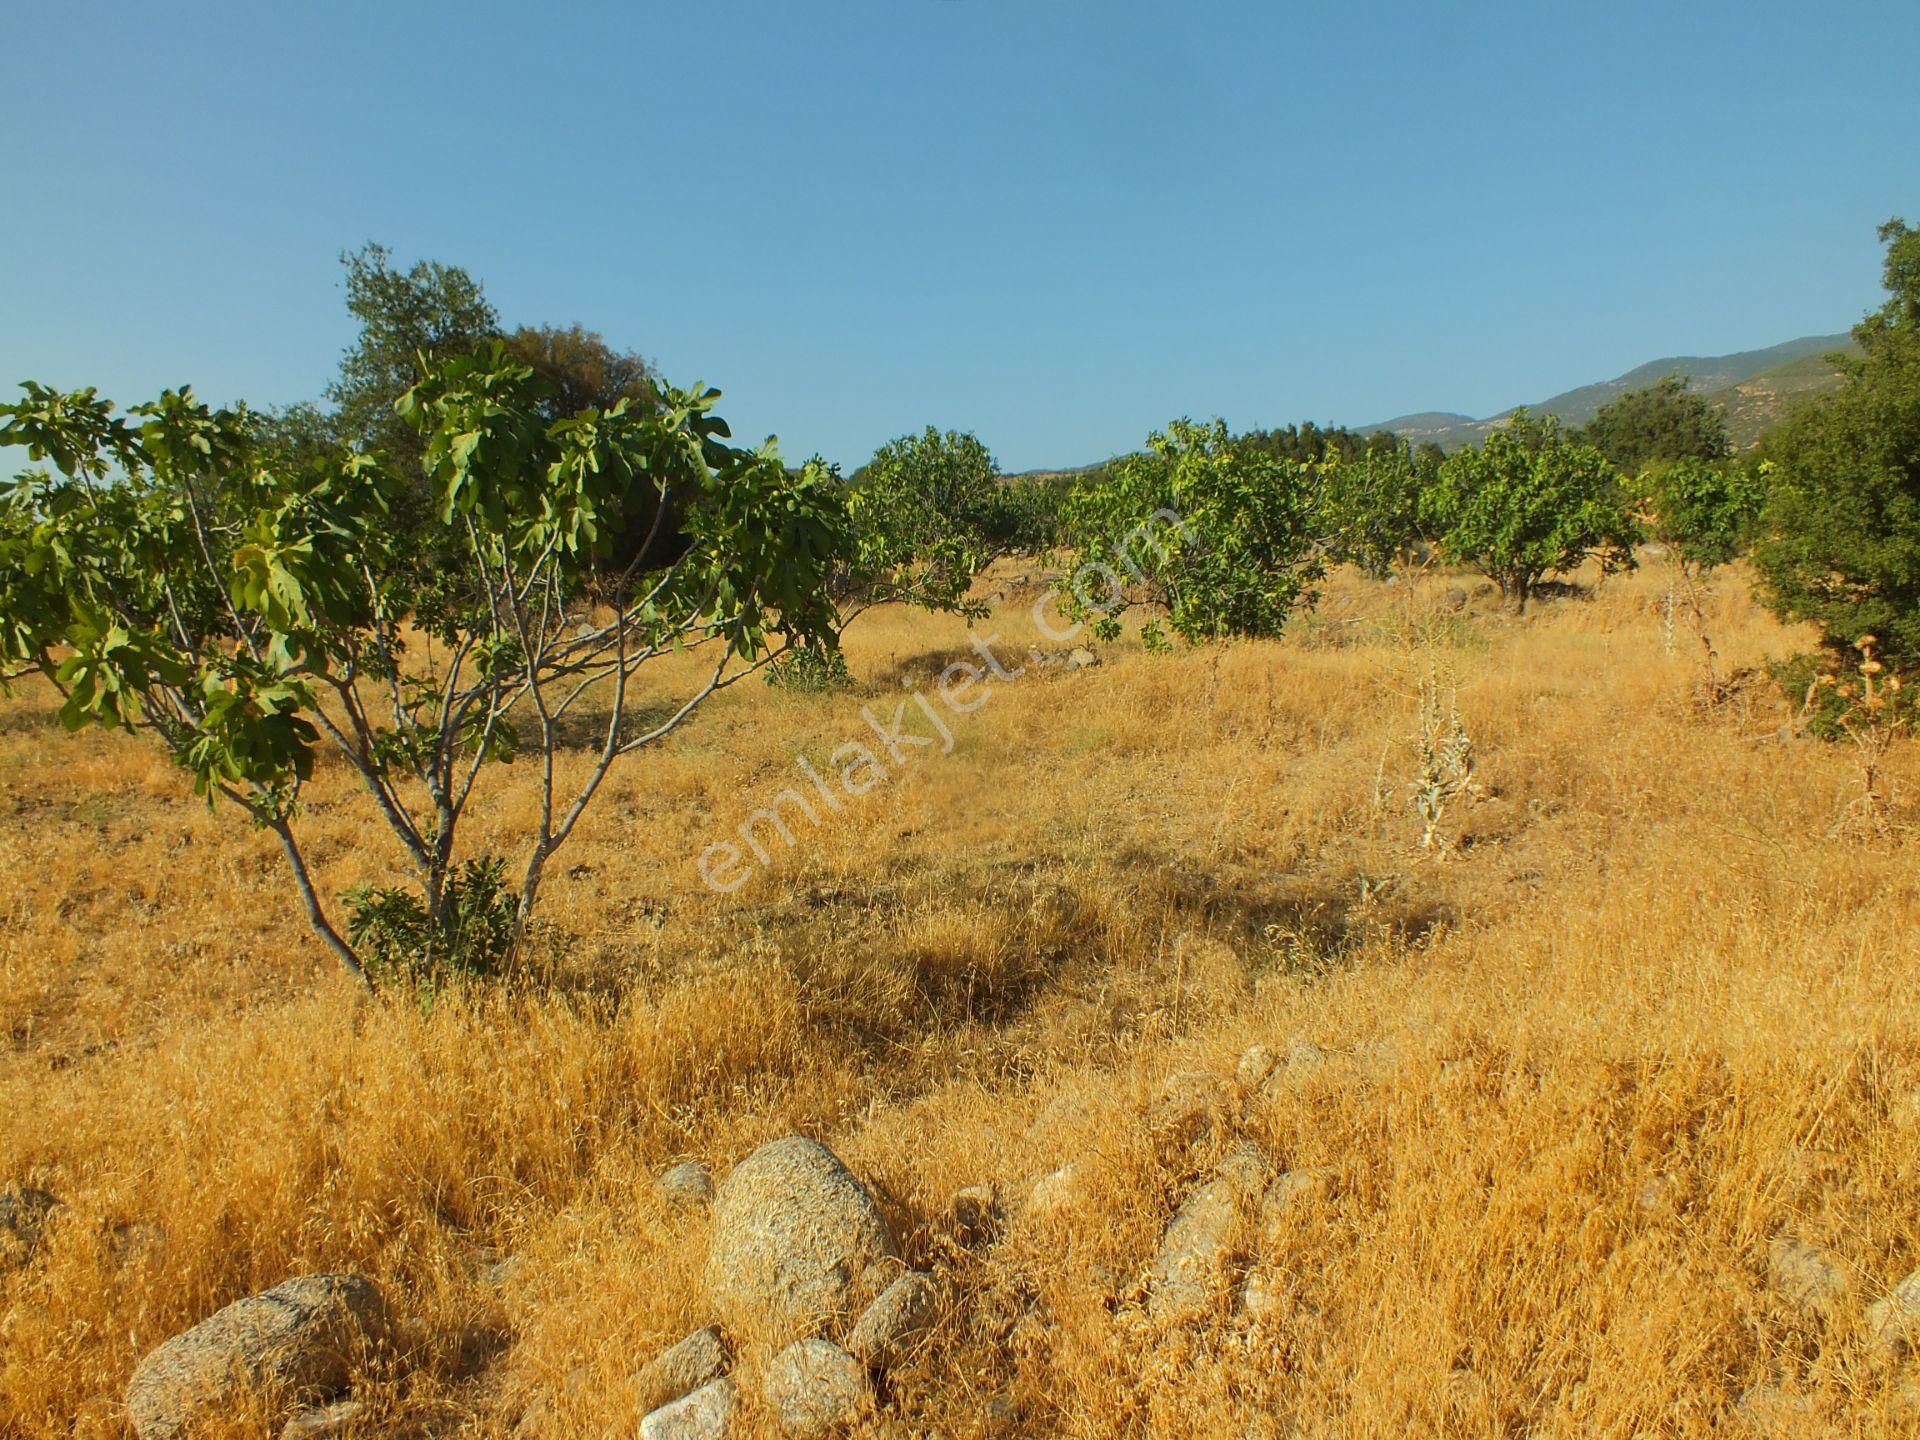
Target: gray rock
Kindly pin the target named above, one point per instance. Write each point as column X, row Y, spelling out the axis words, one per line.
column 681, row 1369
column 815, row 1388
column 974, row 1214
column 1771, row 1411
column 1304, row 1057
column 1455, row 598
column 706, row 1414
column 1286, row 1192
column 1195, row 1252
column 901, row 1314
column 137, row 1245
column 690, row 1183
column 297, row 1340
column 324, row 1424
column 498, row 1274
column 1657, row 1193
column 1894, row 1320
column 1183, row 1111
column 1256, row 1064
column 1081, row 658
column 1258, row 1297
column 24, row 1212
column 1809, row 1278
column 798, row 1244
column 1246, row 1169
column 1054, row 1193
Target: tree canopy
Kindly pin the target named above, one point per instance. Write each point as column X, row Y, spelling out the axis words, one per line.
column 1840, row 538
column 169, row 576
column 1528, row 503
column 1664, row 422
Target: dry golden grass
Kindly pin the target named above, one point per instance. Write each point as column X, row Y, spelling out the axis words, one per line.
column 1650, row 1011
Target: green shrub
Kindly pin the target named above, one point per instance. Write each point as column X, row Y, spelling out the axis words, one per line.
column 811, row 670
column 473, row 937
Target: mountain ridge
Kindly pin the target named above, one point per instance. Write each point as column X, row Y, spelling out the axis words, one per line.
column 1743, row 384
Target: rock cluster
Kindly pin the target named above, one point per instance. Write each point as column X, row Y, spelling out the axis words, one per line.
column 802, row 1260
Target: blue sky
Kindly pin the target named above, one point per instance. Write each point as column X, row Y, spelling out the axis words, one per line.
column 1055, row 223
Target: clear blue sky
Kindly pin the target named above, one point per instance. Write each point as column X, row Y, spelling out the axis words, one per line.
column 1055, row 222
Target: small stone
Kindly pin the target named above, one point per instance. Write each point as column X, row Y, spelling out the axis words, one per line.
column 706, row 1414
column 24, row 1212
column 1000, row 1416
column 1807, row 1276
column 324, row 1424
column 1256, row 1064
column 1081, row 658
column 681, row 1369
column 974, row 1214
column 903, row 1311
column 1893, row 1321
column 688, row 1184
column 1304, row 1057
column 1258, row 1298
column 1054, row 1192
column 496, row 1274
column 1246, row 1169
column 1657, row 1192
column 1182, row 1113
column 137, row 1245
column 1769, row 1410
column 815, row 1388
column 1286, row 1191
column 297, row 1338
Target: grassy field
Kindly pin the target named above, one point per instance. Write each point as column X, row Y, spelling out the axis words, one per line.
column 1653, row 1007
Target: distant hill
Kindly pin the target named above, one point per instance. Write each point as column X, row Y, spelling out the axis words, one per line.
column 1751, row 405
column 1755, row 387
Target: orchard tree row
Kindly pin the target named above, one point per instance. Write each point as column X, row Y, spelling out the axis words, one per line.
column 476, row 550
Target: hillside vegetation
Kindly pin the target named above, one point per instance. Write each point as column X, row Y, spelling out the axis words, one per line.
column 1566, row 1087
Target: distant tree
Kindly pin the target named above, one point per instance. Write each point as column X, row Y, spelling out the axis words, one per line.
column 1309, row 443
column 1664, row 422
column 1370, row 508
column 581, row 369
column 1840, row 537
column 429, row 310
column 1220, row 535
column 1702, row 510
column 1023, row 515
column 922, row 508
column 1528, row 503
column 1428, row 457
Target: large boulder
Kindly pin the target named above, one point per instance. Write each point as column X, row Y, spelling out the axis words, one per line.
column 297, row 1341
column 798, row 1245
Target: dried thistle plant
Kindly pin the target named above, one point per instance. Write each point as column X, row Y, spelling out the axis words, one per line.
column 1445, row 762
